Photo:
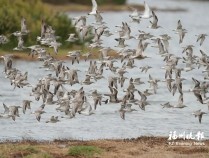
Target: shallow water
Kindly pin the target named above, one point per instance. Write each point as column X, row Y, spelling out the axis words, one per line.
column 106, row 122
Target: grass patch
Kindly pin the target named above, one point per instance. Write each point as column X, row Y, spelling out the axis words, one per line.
column 30, row 149
column 39, row 155
column 26, row 151
column 85, row 151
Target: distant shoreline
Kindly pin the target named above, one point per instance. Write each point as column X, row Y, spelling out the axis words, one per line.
column 84, row 8
column 60, row 56
column 71, row 7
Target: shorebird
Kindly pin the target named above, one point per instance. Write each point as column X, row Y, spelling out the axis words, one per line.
column 11, row 111
column 87, row 80
column 84, row 30
column 154, row 22
column 145, row 68
column 94, row 8
column 104, row 53
column 87, row 110
column 97, row 98
column 5, row 114
column 7, row 61
column 81, row 19
column 107, row 33
column 20, row 44
column 69, row 114
column 39, row 112
column 122, row 113
column 196, row 90
column 167, row 105
column 14, row 111
column 24, row 29
column 169, row 84
column 121, row 42
column 137, row 81
column 87, row 55
column 165, row 38
column 128, row 108
column 153, row 83
column 180, row 102
column 201, row 38
column 143, row 102
column 135, row 15
column 72, row 76
column 75, row 55
column 199, row 114
column 180, row 31
column 98, row 19
column 147, row 12
column 3, row 39
column 26, row 105
column 113, row 95
column 147, row 93
column 53, row 119
column 72, row 37
column 160, row 46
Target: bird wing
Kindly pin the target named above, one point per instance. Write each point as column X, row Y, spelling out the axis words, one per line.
column 143, row 97
column 198, row 95
column 94, row 5
column 38, row 116
column 146, row 9
column 6, row 109
column 200, row 118
column 155, row 19
column 150, row 77
column 122, row 114
column 179, row 26
column 181, row 99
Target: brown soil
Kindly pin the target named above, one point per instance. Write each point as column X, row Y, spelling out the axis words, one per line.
column 62, row 56
column 143, row 147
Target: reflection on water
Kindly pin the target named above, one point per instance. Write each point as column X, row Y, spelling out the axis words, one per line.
column 106, row 123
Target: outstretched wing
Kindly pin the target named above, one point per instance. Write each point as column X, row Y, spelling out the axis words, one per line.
column 94, row 5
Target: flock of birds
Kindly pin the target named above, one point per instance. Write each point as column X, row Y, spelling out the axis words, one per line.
column 51, row 89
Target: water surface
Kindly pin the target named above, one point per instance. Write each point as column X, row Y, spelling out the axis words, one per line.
column 106, row 122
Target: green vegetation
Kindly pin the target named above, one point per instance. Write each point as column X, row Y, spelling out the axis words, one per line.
column 84, row 151
column 30, row 149
column 33, row 11
column 39, row 155
column 27, row 151
column 47, row 151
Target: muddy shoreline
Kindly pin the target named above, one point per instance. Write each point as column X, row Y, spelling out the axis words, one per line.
column 147, row 147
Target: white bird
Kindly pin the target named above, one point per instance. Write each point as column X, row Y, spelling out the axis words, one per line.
column 55, row 45
column 135, row 16
column 20, row 44
column 147, row 12
column 94, row 8
column 72, row 37
column 87, row 111
column 24, row 29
